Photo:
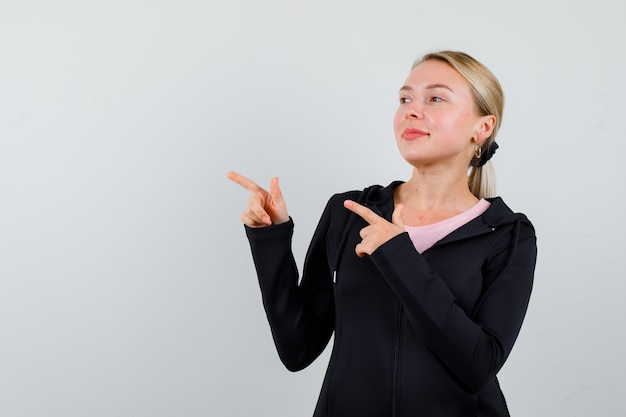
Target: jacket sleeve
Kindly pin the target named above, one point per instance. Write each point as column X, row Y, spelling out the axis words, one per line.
column 473, row 348
column 300, row 314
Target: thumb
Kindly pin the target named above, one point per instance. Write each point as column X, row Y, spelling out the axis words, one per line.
column 275, row 192
column 396, row 216
column 278, row 206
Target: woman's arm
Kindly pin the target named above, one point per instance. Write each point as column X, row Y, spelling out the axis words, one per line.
column 301, row 317
column 474, row 348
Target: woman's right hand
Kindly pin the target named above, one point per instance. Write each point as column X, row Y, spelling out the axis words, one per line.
column 265, row 208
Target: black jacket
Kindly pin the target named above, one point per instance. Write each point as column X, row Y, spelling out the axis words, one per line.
column 415, row 334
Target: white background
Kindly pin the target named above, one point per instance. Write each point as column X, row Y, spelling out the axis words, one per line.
column 126, row 283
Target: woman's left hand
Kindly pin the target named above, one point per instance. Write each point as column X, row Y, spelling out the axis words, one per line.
column 379, row 230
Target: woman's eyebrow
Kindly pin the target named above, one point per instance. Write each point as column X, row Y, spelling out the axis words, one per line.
column 428, row 87
column 438, row 85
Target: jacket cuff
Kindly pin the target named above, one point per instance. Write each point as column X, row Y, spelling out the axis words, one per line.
column 392, row 245
column 270, row 232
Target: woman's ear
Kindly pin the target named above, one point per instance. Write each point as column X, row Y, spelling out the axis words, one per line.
column 486, row 124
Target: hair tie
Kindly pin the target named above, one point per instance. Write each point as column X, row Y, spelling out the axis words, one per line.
column 485, row 155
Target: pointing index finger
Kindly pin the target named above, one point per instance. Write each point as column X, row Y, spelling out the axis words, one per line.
column 246, row 183
column 365, row 213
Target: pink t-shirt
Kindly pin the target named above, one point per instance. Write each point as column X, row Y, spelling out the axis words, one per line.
column 424, row 237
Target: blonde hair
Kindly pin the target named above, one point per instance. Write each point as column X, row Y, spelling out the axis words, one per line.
column 489, row 99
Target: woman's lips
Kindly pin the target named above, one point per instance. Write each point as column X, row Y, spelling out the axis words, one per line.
column 412, row 134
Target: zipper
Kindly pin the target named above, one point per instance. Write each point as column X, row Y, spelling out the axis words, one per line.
column 396, row 361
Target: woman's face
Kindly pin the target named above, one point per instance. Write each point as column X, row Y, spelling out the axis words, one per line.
column 437, row 119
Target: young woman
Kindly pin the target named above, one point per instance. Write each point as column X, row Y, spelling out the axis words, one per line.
column 424, row 283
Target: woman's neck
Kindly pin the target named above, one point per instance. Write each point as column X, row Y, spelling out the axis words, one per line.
column 429, row 197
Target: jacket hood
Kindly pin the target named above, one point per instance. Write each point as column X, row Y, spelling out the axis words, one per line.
column 380, row 200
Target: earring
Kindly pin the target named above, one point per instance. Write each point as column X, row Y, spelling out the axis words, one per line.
column 478, row 151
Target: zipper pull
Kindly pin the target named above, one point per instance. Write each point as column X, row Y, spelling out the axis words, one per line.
column 334, row 277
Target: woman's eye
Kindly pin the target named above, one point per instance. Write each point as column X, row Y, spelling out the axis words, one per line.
column 436, row 99
column 404, row 100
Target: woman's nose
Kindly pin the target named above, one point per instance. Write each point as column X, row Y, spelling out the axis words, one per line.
column 414, row 111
